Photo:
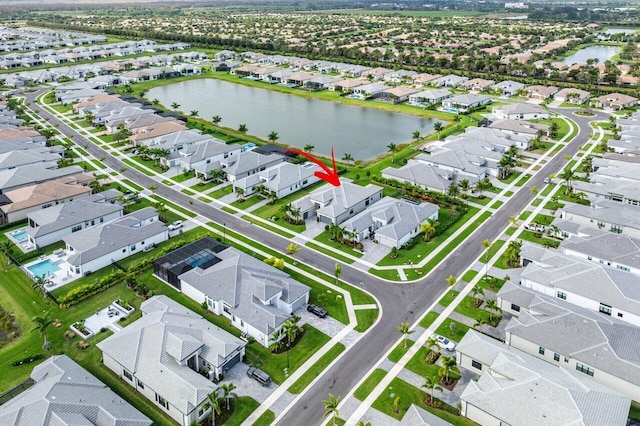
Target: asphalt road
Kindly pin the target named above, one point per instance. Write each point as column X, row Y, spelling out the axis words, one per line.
column 400, row 302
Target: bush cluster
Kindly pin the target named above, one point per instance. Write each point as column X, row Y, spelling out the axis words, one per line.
column 28, row 360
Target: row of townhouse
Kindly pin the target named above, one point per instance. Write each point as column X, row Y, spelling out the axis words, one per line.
column 29, row 39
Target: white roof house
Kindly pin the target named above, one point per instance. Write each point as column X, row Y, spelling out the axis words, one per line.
column 520, row 111
column 335, row 204
column 508, row 87
column 615, row 250
column 391, row 222
column 519, row 389
column 66, row 394
column 464, row 103
column 614, row 216
column 248, row 163
column 256, row 297
column 282, row 179
column 94, row 248
column 161, row 356
column 426, row 176
column 207, row 152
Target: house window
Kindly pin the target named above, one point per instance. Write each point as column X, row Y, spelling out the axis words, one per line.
column 126, row 374
column 584, row 369
column 124, row 250
column 515, row 307
column 620, row 314
column 601, row 224
column 475, row 364
column 140, row 384
column 160, row 400
column 624, row 268
column 561, row 295
column 133, row 247
column 44, row 206
column 101, row 219
column 566, row 359
column 605, row 309
column 617, row 229
column 226, row 308
column 541, row 350
column 556, row 357
column 76, row 228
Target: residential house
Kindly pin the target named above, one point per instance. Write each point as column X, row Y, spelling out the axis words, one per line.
column 520, row 127
column 508, row 87
column 416, row 416
column 597, row 287
column 449, row 81
column 615, row 101
column 50, row 225
column 299, row 79
column 321, row 82
column 119, row 118
column 248, row 163
column 399, row 76
column 520, row 111
column 461, row 104
column 257, row 298
column 335, row 204
column 396, row 95
column 573, row 338
column 348, row 85
column 34, row 174
column 225, row 55
column 375, row 74
column 156, row 130
column 477, row 84
column 278, row 77
column 491, row 139
column 461, row 164
column 516, row 388
column 366, row 91
column 423, row 79
column 210, row 152
column 429, row 97
column 425, row 176
column 94, row 248
column 16, row 204
column 541, row 92
column 620, row 218
column 16, row 159
column 390, row 222
column 572, row 96
column 64, row 393
column 612, row 188
column 142, row 122
column 281, row 180
column 175, row 141
column 167, row 356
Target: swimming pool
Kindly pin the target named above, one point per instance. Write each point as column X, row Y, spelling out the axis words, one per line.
column 20, row 235
column 46, row 268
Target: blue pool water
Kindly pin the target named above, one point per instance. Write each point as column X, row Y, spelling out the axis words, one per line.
column 46, row 268
column 20, row 236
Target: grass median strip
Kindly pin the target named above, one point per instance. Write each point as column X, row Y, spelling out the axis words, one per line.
column 328, row 252
column 369, row 384
column 316, row 369
column 366, row 318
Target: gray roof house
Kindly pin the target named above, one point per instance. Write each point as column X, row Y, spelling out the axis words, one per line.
column 17, row 159
column 248, row 163
column 429, row 97
column 50, row 225
column 516, row 388
column 33, row 174
column 426, row 176
column 210, row 151
column 282, row 179
column 335, row 204
column 416, row 416
column 391, row 222
column 176, row 140
column 595, row 286
column 618, row 251
column 161, row 356
column 612, row 188
column 520, row 111
column 256, row 297
column 614, row 216
column 573, row 338
column 66, row 394
column 508, row 87
column 464, row 103
column 465, row 166
column 94, row 248
column 519, row 127
column 450, row 80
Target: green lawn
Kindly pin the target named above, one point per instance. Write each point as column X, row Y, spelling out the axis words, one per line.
column 245, row 203
column 428, row 319
column 204, row 186
column 530, row 236
column 469, row 311
column 347, row 247
column 370, row 382
column 245, row 405
column 448, row 298
column 265, row 419
column 411, row 395
column 329, row 253
column 366, row 318
column 543, row 219
column 316, row 369
column 221, row 192
column 275, row 364
column 445, row 330
column 418, row 365
column 399, row 351
column 495, row 246
column 183, row 177
column 469, row 275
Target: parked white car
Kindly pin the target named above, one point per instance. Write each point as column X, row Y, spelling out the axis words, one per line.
column 175, row 225
column 444, row 343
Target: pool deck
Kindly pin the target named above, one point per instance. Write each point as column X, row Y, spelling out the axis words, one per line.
column 24, row 246
column 60, row 277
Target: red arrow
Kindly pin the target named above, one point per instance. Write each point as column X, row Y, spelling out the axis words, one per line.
column 328, row 175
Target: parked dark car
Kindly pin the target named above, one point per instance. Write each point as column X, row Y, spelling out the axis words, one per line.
column 317, row 310
column 259, row 376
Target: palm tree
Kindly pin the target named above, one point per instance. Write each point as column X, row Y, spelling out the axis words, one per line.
column 513, row 253
column 308, row 148
column 175, row 105
column 293, row 249
column 453, row 190
column 451, row 282
column 239, row 193
column 431, row 343
column 437, row 126
column 449, row 365
column 416, row 134
column 483, row 185
column 392, row 149
column 194, row 112
column 486, row 245
column 41, row 324
column 216, row 174
column 216, row 119
column 587, row 165
column 567, row 176
column 553, row 129
column 457, row 120
column 348, row 158
column 464, row 185
column 477, row 291
column 153, row 188
column 227, row 392
column 243, row 128
column 40, row 283
column 363, row 423
column 431, row 384
column 403, row 328
column 492, row 305
column 273, row 136
column 290, row 330
column 213, row 401
column 331, row 407
column 5, row 248
column 514, row 221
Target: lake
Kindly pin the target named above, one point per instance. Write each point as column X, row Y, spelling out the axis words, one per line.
column 621, row 31
column 362, row 132
column 602, row 53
